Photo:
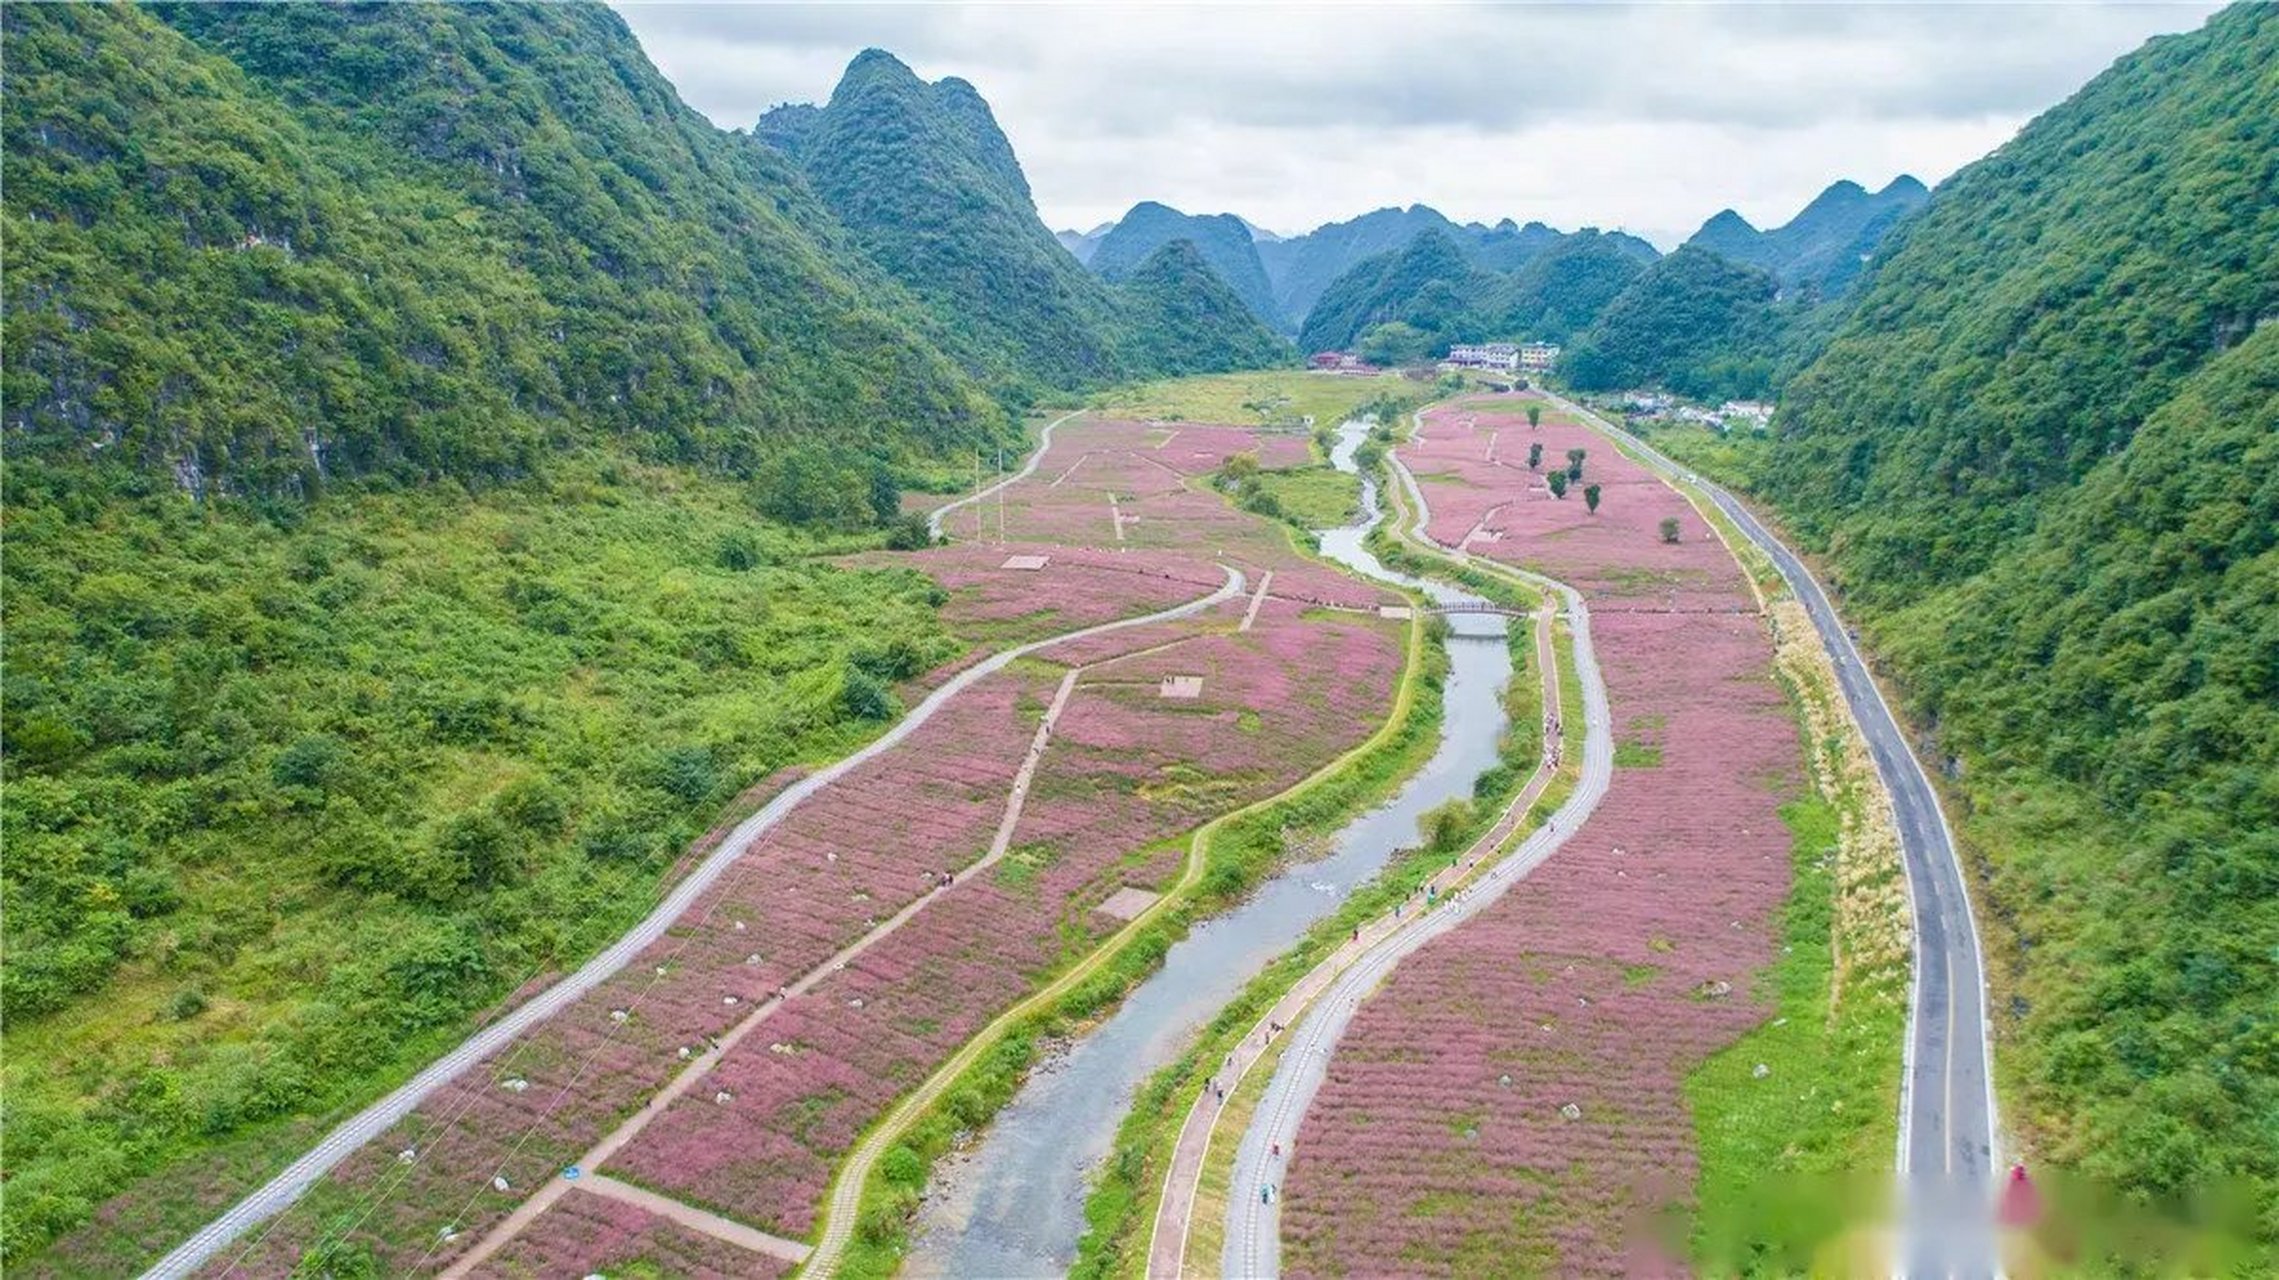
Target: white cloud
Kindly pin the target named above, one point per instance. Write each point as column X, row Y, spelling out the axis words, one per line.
column 1649, row 117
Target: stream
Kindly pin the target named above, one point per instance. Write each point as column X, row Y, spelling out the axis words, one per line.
column 1013, row 1205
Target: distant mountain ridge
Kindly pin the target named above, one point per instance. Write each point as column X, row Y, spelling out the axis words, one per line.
column 1224, row 240
column 1825, row 244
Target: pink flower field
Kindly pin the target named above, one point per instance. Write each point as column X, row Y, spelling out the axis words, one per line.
column 1617, row 557
column 1125, row 769
column 759, row 1137
column 1443, row 1142
column 584, row 1235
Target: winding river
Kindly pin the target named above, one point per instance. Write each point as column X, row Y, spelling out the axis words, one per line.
column 1014, row 1204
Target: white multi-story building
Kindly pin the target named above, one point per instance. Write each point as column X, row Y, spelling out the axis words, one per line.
column 1485, row 355
column 1537, row 357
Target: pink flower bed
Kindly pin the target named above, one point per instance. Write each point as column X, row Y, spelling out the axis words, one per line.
column 582, row 1235
column 1439, row 1140
column 1617, row 555
column 1125, row 769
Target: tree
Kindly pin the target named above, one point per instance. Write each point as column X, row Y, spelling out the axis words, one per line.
column 1575, row 463
column 1535, row 456
column 1558, row 484
column 1534, row 416
column 1669, row 528
column 1590, row 497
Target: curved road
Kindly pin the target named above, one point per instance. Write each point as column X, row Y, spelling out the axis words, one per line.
column 279, row 1192
column 1253, row 1237
column 1947, row 1118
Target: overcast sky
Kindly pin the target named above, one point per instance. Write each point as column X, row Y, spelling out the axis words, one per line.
column 1648, row 118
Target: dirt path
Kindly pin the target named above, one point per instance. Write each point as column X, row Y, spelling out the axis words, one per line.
column 1167, row 1245
column 711, row 1224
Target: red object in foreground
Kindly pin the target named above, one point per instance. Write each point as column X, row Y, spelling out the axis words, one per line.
column 2021, row 1203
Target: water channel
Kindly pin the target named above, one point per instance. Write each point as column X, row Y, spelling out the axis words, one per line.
column 1014, row 1204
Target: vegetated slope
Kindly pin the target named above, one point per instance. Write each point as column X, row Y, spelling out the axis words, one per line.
column 1192, row 321
column 1223, row 239
column 928, row 185
column 2042, row 457
column 1303, row 267
column 1821, row 249
column 931, row 190
column 1559, row 291
column 1697, row 323
column 1428, row 285
column 398, row 248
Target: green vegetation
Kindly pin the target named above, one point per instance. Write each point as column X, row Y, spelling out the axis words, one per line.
column 1428, row 285
column 277, row 275
column 1189, row 321
column 1222, row 239
column 1821, row 250
column 1794, row 1158
column 2041, row 457
column 930, row 189
column 289, row 801
column 1696, row 323
column 1267, row 397
column 1318, row 497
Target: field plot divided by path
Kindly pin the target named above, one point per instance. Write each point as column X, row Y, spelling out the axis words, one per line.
column 1512, row 1098
column 757, row 1139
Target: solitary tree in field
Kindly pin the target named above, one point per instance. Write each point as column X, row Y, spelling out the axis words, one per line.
column 1575, row 463
column 1558, row 484
column 1590, row 497
column 1534, row 416
column 1670, row 529
column 1535, row 456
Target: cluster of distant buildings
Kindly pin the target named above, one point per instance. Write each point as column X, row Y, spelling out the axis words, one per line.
column 1752, row 414
column 1499, row 357
column 1504, row 357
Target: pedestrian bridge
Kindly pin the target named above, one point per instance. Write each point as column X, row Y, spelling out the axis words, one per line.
column 1479, row 606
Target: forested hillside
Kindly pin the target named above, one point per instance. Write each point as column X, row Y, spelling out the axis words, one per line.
column 931, row 189
column 1428, row 285
column 400, row 251
column 1200, row 324
column 1222, row 238
column 1694, row 322
column 1559, row 291
column 2043, row 457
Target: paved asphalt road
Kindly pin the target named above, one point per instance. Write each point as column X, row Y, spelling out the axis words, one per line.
column 1253, row 1236
column 273, row 1197
column 1947, row 1117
